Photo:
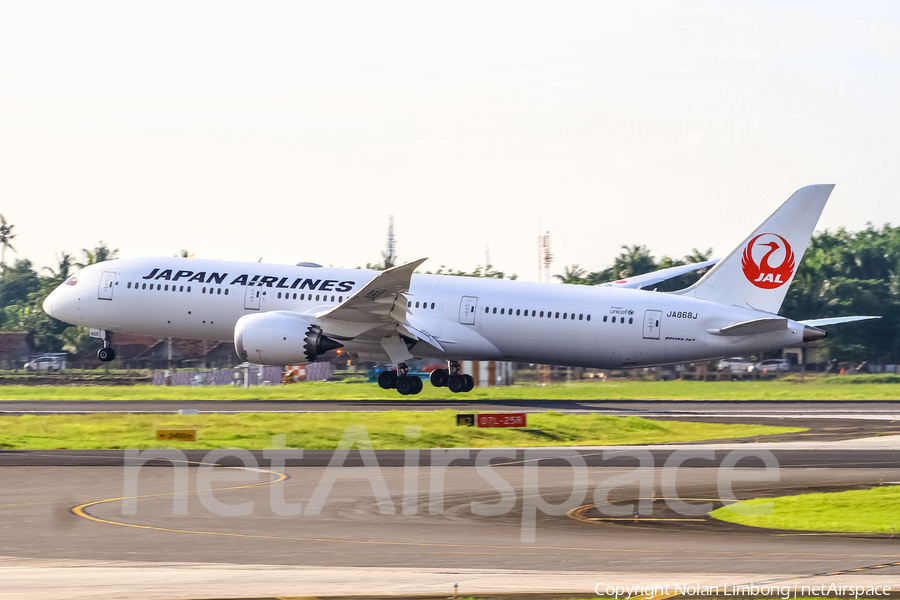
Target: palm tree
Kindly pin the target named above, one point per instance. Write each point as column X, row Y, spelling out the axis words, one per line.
column 634, row 260
column 573, row 274
column 64, row 265
column 100, row 253
column 5, row 236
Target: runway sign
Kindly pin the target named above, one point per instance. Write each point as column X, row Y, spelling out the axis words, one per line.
column 502, row 420
column 176, row 435
column 465, row 420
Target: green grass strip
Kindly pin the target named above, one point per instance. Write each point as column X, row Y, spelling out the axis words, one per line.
column 864, row 511
column 587, row 390
column 323, row 430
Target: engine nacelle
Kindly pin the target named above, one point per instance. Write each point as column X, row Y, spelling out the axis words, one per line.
column 280, row 338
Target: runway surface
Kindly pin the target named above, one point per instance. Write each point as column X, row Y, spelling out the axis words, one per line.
column 90, row 524
column 885, row 408
column 420, row 528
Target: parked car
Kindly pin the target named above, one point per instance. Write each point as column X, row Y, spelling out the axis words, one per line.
column 773, row 365
column 44, row 363
column 738, row 366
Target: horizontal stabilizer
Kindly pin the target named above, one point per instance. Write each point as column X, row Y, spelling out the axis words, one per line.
column 834, row 320
column 648, row 279
column 754, row 327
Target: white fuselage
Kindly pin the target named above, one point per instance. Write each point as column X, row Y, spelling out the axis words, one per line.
column 604, row 327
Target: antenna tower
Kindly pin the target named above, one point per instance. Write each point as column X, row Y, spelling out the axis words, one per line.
column 545, row 258
column 390, row 256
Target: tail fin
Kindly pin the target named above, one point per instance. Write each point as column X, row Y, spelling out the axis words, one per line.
column 758, row 273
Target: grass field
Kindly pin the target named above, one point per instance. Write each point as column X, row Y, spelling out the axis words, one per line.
column 324, row 430
column 586, row 390
column 874, row 511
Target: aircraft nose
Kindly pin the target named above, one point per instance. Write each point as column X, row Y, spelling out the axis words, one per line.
column 48, row 303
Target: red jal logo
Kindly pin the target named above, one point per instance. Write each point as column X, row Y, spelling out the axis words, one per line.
column 762, row 274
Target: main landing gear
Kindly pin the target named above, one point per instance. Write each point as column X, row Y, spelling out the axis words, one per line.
column 410, row 385
column 452, row 379
column 106, row 353
column 400, row 379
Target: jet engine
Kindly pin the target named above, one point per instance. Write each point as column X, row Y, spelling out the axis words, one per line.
column 280, row 338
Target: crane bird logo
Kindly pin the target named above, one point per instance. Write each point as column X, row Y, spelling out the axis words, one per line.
column 762, row 274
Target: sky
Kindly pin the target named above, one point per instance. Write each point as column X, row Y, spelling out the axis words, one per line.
column 292, row 130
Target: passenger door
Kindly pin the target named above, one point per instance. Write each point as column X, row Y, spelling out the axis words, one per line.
column 107, row 281
column 651, row 324
column 251, row 298
column 467, row 310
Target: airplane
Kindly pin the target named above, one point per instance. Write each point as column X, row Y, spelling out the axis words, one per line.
column 298, row 314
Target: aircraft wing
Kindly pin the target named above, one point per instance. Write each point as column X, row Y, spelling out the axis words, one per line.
column 648, row 279
column 378, row 309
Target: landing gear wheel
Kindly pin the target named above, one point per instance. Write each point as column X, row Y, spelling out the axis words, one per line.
column 470, row 383
column 439, row 377
column 408, row 386
column 387, row 380
column 106, row 354
column 457, row 383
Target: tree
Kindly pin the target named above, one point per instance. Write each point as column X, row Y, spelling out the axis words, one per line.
column 633, row 260
column 6, row 235
column 100, row 253
column 488, row 272
column 573, row 275
column 64, row 265
column 17, row 282
column 387, row 261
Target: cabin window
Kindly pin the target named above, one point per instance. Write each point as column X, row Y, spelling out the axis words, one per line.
column 542, row 314
column 613, row 319
column 495, row 310
column 302, row 296
column 332, row 298
column 604, row 318
column 589, row 317
column 189, row 288
column 340, row 298
column 557, row 315
column 517, row 312
column 417, row 304
column 226, row 291
column 565, row 316
column 580, row 317
column 432, row 306
column 129, row 285
column 279, row 295
column 486, row 310
column 510, row 312
column 630, row 320
column 219, row 291
column 409, row 304
column 534, row 313
column 317, row 297
column 204, row 291
column 502, row 311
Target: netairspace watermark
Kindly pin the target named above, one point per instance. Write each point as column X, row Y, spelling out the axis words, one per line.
column 528, row 499
column 754, row 590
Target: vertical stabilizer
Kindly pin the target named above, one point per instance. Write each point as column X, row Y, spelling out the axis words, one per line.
column 758, row 273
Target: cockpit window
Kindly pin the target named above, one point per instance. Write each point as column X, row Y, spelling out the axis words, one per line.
column 72, row 280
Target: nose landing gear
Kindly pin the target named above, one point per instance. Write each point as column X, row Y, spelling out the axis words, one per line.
column 106, row 353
